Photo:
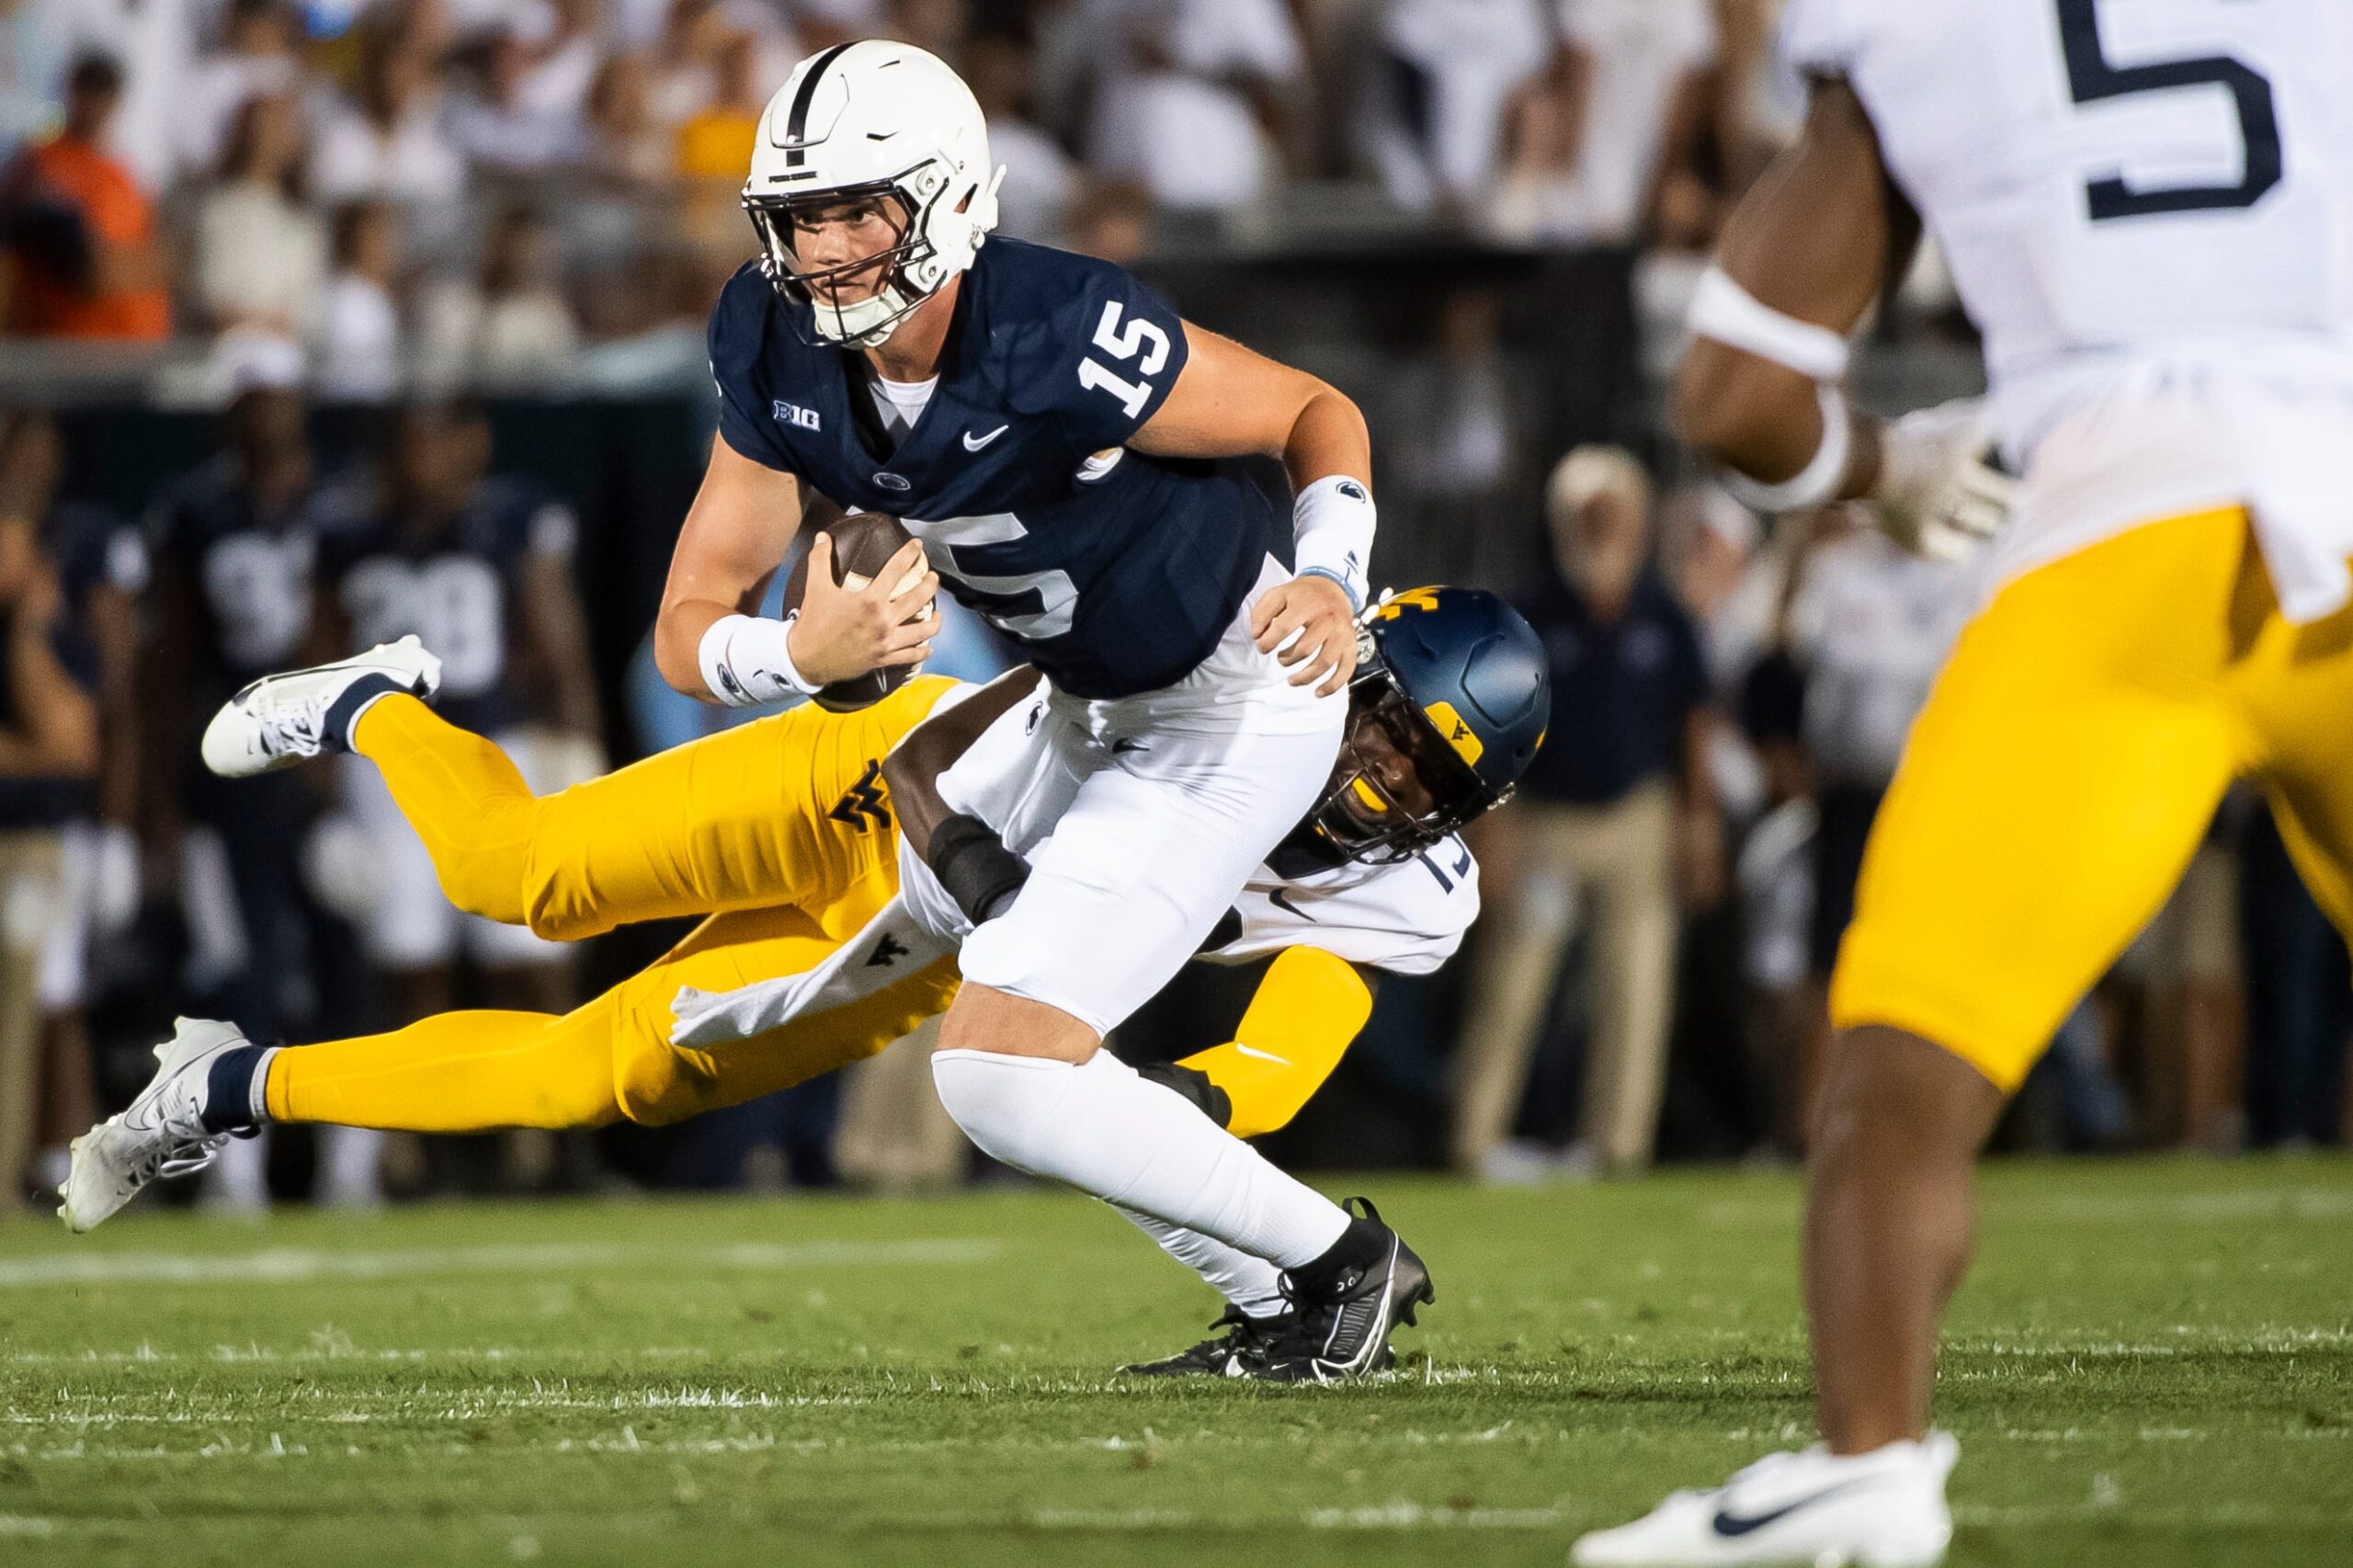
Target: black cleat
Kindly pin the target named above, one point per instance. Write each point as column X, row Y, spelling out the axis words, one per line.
column 1222, row 1355
column 1348, row 1303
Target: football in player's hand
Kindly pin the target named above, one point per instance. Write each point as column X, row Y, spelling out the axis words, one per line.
column 863, row 545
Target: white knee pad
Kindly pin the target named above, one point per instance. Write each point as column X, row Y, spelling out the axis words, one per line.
column 1001, row 1101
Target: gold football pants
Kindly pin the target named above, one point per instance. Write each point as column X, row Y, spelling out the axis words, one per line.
column 780, row 832
column 2064, row 770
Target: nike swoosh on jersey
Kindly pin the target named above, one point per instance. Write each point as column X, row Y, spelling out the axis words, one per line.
column 1731, row 1526
column 974, row 443
column 1280, row 899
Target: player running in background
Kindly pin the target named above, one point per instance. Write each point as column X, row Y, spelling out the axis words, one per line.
column 2148, row 208
column 1048, row 429
column 1446, row 714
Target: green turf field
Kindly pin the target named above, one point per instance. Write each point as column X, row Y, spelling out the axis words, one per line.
column 2152, row 1365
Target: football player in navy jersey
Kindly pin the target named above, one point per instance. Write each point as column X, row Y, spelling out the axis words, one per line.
column 236, row 551
column 1049, row 430
column 429, row 543
column 479, row 568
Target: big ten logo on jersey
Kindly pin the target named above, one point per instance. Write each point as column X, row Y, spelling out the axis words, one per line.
column 257, row 587
column 1136, row 344
column 455, row 604
column 792, row 413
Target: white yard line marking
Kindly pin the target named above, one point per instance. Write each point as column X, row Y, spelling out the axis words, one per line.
column 282, row 1266
column 1403, row 1516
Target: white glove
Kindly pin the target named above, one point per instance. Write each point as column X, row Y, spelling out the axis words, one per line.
column 114, row 879
column 1938, row 494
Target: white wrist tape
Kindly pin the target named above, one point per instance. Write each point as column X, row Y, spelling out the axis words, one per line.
column 1332, row 523
column 1724, row 311
column 746, row 661
column 1818, row 481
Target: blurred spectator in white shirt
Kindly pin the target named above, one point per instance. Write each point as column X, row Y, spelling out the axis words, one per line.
column 260, row 252
column 255, row 58
column 1628, row 101
column 512, row 328
column 1451, row 70
column 358, row 346
column 497, row 126
column 567, row 50
column 1039, row 178
column 1191, row 96
column 390, row 142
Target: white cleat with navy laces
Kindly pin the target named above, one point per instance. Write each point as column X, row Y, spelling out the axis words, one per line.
column 280, row 720
column 1882, row 1509
column 161, row 1134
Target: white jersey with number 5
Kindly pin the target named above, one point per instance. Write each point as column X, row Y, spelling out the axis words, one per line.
column 2147, row 206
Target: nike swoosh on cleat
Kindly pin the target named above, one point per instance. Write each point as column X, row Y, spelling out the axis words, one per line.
column 1262, row 1055
column 1731, row 1526
column 974, row 443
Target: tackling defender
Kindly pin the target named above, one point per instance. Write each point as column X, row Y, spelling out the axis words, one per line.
column 809, row 960
column 1047, row 428
column 2148, row 208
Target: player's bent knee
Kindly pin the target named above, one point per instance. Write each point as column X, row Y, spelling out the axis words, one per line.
column 1887, row 1085
column 986, row 1019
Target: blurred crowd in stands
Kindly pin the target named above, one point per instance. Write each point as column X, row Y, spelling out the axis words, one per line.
column 410, row 204
column 472, row 190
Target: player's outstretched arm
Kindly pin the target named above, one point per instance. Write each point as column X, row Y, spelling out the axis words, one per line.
column 912, row 771
column 971, row 862
column 1229, row 403
column 1803, row 256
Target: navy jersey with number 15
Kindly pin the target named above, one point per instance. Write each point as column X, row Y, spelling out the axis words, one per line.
column 1117, row 570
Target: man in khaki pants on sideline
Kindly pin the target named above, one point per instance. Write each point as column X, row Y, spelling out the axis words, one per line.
column 49, row 755
column 1617, row 800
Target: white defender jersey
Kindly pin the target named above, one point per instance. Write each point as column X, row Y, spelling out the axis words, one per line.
column 1406, row 918
column 2147, row 206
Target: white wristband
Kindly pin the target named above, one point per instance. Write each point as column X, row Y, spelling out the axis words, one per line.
column 746, row 662
column 1818, row 481
column 1332, row 524
column 1724, row 311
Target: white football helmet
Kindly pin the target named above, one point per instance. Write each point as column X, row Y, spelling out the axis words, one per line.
column 873, row 121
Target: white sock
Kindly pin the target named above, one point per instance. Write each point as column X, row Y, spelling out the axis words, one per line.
column 1135, row 1143
column 1250, row 1283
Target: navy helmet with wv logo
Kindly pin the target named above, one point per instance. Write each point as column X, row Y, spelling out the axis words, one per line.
column 1447, row 707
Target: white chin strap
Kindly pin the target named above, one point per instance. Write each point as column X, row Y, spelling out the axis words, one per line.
column 864, row 325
